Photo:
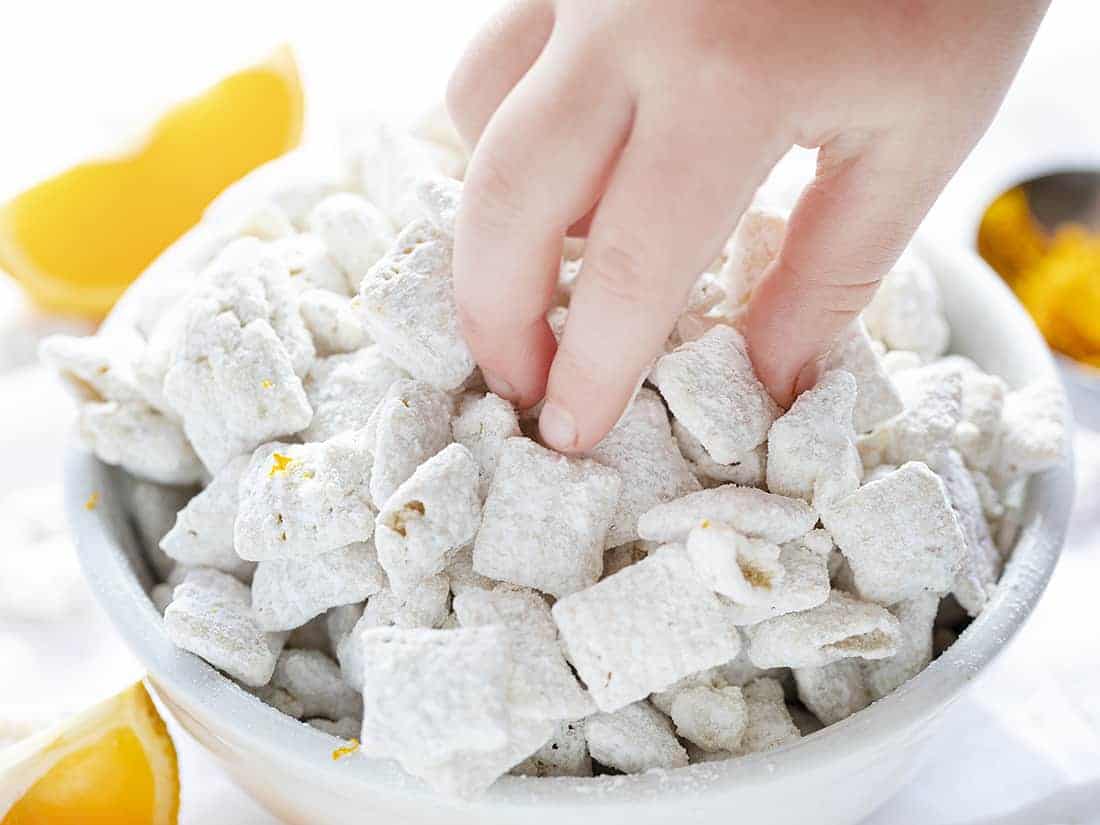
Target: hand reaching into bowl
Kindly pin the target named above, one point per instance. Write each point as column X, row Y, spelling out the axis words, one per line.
column 648, row 124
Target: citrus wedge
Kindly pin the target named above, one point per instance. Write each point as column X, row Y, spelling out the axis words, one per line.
column 113, row 763
column 77, row 240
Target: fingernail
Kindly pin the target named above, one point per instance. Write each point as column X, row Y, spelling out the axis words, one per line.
column 498, row 386
column 557, row 427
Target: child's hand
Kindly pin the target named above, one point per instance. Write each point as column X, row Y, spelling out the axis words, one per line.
column 661, row 117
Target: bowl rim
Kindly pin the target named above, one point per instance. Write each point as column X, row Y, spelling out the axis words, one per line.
column 307, row 751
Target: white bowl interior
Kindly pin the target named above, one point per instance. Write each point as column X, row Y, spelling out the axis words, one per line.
column 988, row 326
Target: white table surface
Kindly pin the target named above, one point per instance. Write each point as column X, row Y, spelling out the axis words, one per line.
column 1023, row 748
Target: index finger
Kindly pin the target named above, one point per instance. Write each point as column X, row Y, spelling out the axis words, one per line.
column 529, row 178
column 663, row 218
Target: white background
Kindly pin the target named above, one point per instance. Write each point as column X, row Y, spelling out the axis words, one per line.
column 77, row 78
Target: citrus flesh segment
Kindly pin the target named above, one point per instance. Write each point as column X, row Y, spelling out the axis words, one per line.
column 114, row 763
column 77, row 240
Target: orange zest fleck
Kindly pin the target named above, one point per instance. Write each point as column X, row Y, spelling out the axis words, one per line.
column 279, row 464
column 347, row 750
column 92, row 502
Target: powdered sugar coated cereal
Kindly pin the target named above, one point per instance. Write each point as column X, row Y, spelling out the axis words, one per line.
column 546, row 519
column 711, row 388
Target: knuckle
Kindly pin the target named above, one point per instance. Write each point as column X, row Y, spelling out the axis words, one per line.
column 493, row 195
column 617, row 267
column 581, row 374
column 840, row 290
column 847, row 298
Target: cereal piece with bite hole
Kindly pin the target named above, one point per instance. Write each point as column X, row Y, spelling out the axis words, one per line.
column 546, row 519
column 803, row 585
column 354, row 231
column 303, row 499
column 811, row 448
column 841, row 628
column 407, row 303
column 746, row 571
column 203, row 531
column 642, row 451
column 877, row 399
column 434, row 512
column 899, row 535
column 210, row 616
column 286, row 593
column 834, row 691
column 659, row 606
column 344, row 390
column 755, row 513
column 712, row 391
column 542, row 685
column 409, row 425
column 564, row 754
column 483, row 424
column 633, row 739
column 313, row 679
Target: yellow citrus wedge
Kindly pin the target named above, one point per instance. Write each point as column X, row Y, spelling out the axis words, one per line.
column 77, row 240
column 114, row 763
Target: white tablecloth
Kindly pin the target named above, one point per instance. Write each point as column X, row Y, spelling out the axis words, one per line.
column 1023, row 748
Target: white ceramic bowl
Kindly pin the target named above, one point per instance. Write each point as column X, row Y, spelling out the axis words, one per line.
column 833, row 777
